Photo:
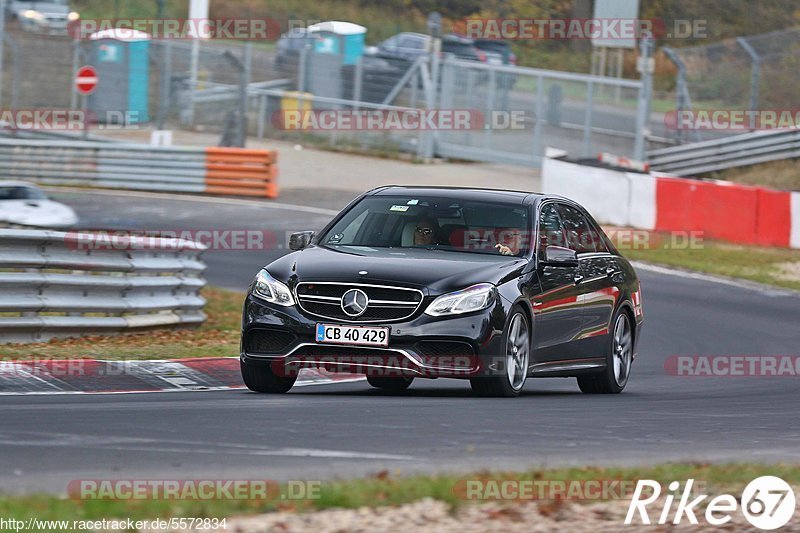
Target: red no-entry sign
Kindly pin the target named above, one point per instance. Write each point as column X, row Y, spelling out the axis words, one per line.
column 86, row 80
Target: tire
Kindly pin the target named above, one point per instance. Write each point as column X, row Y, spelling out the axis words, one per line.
column 517, row 342
column 261, row 378
column 619, row 359
column 395, row 384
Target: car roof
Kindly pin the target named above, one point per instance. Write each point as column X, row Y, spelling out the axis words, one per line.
column 11, row 183
column 458, row 39
column 461, row 193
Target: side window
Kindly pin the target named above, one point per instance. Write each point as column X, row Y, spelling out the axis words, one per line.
column 390, row 43
column 580, row 236
column 600, row 239
column 551, row 233
column 408, row 41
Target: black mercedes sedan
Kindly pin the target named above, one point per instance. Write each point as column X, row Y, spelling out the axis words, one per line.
column 436, row 282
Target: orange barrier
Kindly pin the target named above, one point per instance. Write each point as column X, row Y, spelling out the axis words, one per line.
column 774, row 220
column 241, row 172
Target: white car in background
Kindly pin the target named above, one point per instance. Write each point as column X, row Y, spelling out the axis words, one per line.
column 24, row 204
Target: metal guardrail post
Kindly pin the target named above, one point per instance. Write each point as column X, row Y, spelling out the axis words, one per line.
column 682, row 91
column 537, row 128
column 15, row 77
column 262, row 116
column 645, row 95
column 358, row 81
column 755, row 71
column 2, row 40
column 587, row 119
column 166, row 82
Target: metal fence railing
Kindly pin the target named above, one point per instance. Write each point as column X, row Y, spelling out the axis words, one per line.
column 579, row 113
column 55, row 284
column 242, row 86
column 719, row 154
column 746, row 73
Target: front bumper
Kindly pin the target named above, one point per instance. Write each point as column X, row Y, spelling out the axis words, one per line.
column 421, row 346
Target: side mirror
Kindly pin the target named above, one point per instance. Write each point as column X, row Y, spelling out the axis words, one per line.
column 300, row 240
column 558, row 256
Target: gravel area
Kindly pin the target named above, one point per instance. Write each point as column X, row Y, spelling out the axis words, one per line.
column 435, row 516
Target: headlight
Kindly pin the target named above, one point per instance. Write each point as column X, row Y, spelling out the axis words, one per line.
column 73, row 16
column 470, row 299
column 33, row 14
column 270, row 289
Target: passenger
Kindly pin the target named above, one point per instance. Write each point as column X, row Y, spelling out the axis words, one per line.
column 512, row 242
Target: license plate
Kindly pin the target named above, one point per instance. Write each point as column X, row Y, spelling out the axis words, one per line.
column 355, row 335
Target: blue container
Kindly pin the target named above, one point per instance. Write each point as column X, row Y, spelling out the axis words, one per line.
column 121, row 58
column 344, row 39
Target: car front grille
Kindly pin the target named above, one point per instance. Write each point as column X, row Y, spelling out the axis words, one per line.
column 385, row 304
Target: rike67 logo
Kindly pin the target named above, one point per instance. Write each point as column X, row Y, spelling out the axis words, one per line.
column 768, row 503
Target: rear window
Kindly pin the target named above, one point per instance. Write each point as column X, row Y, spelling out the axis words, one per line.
column 493, row 46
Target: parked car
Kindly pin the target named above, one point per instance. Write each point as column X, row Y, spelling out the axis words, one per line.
column 433, row 282
column 498, row 47
column 24, row 204
column 50, row 16
column 406, row 47
column 378, row 75
column 507, row 57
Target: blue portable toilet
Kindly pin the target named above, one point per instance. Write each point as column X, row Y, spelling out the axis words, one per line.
column 121, row 58
column 345, row 39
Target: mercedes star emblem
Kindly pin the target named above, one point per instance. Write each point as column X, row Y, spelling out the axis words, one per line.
column 354, row 302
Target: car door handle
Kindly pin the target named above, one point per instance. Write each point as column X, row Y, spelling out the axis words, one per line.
column 578, row 279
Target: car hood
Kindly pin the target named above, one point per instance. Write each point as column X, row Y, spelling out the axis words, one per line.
column 438, row 271
column 40, row 213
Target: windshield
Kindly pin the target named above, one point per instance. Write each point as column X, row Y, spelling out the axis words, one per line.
column 434, row 223
column 21, row 193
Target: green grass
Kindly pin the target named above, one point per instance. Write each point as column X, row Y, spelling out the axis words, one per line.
column 772, row 266
column 380, row 490
column 218, row 336
column 783, row 174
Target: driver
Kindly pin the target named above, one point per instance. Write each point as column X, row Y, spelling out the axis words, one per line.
column 427, row 232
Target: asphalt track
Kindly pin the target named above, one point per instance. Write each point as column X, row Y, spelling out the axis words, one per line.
column 350, row 429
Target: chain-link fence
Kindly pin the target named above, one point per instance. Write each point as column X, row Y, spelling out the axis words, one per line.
column 747, row 73
column 247, row 88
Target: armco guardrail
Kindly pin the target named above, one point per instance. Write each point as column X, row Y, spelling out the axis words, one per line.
column 141, row 167
column 55, row 284
column 728, row 152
